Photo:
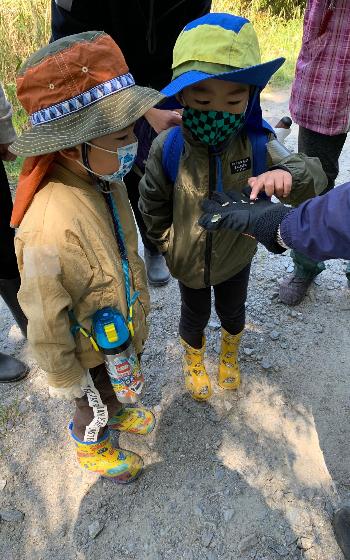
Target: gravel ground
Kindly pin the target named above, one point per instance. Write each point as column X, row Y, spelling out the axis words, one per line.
column 253, row 474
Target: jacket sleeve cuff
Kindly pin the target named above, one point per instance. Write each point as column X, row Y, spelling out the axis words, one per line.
column 286, row 228
column 266, row 228
column 66, row 378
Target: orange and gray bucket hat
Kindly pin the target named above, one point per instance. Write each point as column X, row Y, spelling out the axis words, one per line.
column 76, row 89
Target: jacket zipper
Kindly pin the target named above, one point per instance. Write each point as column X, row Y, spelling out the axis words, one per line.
column 209, row 236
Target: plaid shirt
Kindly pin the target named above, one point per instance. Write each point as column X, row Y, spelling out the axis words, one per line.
column 320, row 99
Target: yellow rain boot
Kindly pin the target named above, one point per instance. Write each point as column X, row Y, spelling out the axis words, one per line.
column 197, row 380
column 133, row 420
column 229, row 375
column 101, row 457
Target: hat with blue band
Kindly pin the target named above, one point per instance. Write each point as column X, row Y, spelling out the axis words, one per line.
column 76, row 89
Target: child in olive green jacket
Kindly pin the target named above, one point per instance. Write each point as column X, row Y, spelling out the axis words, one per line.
column 217, row 78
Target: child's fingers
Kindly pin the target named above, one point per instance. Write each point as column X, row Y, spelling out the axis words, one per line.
column 256, row 186
column 279, row 187
column 272, row 184
column 287, row 185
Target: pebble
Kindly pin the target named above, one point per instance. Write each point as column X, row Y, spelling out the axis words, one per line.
column 214, row 324
column 206, row 537
column 290, row 268
column 248, row 351
column 266, row 364
column 228, row 514
column 219, row 474
column 228, row 406
column 95, row 529
column 157, row 409
column 280, row 549
column 293, row 313
column 247, row 543
column 284, row 345
column 23, row 407
column 3, row 483
column 11, row 515
column 305, row 543
column 197, row 510
column 274, row 335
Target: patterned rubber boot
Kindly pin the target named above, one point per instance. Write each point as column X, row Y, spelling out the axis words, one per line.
column 229, row 376
column 133, row 420
column 101, row 457
column 197, row 380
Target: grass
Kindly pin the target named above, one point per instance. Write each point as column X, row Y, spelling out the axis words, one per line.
column 25, row 27
column 278, row 36
column 8, row 414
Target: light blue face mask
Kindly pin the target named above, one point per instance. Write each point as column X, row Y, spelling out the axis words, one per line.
column 126, row 157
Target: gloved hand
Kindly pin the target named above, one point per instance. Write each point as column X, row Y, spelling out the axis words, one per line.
column 69, row 393
column 259, row 219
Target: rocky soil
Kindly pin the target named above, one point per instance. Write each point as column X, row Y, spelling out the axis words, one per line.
column 253, row 474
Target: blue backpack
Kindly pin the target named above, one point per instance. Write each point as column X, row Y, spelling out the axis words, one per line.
column 257, row 130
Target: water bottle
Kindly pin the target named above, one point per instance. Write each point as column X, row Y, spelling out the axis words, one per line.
column 113, row 338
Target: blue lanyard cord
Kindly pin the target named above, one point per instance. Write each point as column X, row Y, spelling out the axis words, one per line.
column 119, row 234
column 118, row 230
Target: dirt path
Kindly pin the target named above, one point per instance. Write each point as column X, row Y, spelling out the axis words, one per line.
column 252, row 475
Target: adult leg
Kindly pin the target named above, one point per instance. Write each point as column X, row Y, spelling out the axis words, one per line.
column 10, row 368
column 328, row 149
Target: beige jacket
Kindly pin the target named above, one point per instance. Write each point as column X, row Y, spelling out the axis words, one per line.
column 69, row 260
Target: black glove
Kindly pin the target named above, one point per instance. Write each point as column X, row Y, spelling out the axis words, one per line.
column 259, row 219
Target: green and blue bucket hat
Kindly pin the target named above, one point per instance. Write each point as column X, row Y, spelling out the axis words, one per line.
column 222, row 46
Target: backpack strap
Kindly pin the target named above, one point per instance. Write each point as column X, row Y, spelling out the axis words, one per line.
column 172, row 150
column 174, row 143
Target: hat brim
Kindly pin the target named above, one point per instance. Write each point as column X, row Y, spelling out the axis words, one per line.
column 107, row 115
column 257, row 75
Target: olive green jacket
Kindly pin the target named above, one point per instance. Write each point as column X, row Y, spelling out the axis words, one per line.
column 171, row 211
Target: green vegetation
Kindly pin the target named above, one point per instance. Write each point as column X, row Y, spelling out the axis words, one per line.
column 25, row 26
column 279, row 26
column 8, row 413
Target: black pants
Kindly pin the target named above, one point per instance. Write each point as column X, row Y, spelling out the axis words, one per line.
column 8, row 262
column 230, row 298
column 326, row 148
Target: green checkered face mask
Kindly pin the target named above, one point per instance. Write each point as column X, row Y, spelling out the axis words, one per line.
column 211, row 127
